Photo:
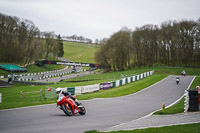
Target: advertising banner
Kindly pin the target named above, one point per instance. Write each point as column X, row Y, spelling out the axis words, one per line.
column 41, row 63
column 78, row 90
column 106, row 86
column 90, row 88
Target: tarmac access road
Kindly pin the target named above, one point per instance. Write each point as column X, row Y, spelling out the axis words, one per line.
column 102, row 113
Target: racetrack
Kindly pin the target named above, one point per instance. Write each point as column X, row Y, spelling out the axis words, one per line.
column 101, row 113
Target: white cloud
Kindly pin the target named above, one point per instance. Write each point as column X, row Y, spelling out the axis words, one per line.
column 98, row 18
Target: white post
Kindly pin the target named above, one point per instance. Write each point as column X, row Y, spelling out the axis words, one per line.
column 186, row 101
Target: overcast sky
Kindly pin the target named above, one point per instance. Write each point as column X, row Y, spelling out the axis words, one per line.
column 99, row 18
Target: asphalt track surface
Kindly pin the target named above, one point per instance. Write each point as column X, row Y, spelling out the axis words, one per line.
column 101, row 113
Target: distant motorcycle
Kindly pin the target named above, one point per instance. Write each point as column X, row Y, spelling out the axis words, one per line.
column 183, row 73
column 177, row 80
column 69, row 106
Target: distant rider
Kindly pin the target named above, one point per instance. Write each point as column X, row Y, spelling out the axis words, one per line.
column 60, row 93
column 183, row 73
column 177, row 79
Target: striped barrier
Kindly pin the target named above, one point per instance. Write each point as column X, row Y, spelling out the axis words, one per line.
column 130, row 79
column 113, row 84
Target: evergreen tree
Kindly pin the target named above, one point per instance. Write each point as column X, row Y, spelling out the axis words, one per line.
column 60, row 43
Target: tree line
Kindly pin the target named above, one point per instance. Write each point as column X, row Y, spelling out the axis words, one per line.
column 22, row 42
column 76, row 38
column 172, row 43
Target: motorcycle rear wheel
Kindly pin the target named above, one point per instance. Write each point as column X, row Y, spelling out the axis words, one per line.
column 67, row 111
column 82, row 108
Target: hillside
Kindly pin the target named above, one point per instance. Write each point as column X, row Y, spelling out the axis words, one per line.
column 79, row 52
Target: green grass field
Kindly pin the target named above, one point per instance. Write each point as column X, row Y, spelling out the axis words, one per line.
column 187, row 128
column 79, row 52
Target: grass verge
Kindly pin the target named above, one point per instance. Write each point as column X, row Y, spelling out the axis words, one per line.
column 187, row 128
column 72, row 52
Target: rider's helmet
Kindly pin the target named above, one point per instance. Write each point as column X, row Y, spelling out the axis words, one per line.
column 58, row 90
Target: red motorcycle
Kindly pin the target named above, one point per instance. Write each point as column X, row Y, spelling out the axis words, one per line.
column 69, row 106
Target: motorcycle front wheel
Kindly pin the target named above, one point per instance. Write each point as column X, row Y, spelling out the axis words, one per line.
column 82, row 108
column 66, row 110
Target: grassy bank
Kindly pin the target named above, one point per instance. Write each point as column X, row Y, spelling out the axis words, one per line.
column 35, row 68
column 79, row 52
column 187, row 128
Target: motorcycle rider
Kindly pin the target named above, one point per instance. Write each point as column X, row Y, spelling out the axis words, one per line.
column 177, row 79
column 183, row 73
column 60, row 93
